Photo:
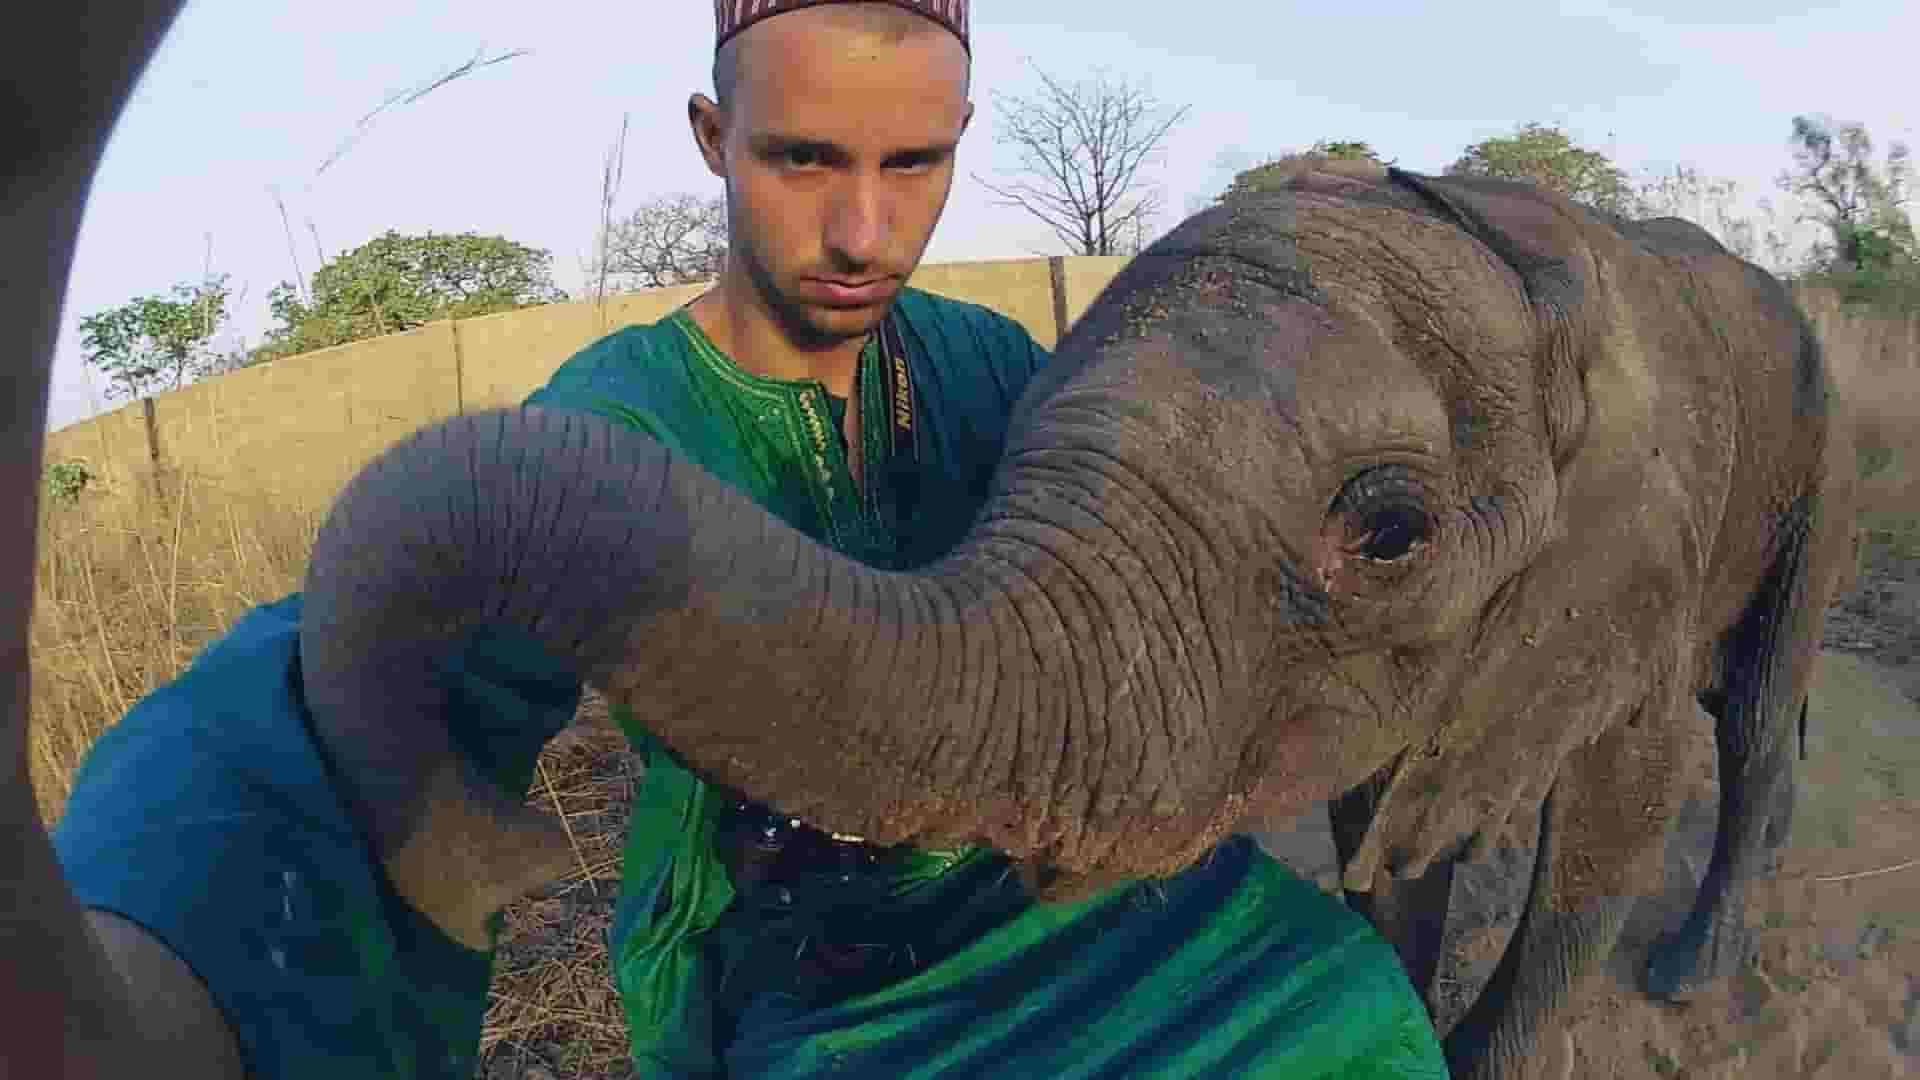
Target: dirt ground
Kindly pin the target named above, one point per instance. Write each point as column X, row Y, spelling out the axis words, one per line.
column 1835, row 988
column 1834, row 991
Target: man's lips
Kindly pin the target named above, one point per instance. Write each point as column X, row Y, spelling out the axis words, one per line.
column 839, row 293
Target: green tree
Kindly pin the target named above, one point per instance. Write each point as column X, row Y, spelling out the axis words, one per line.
column 1275, row 172
column 396, row 282
column 1545, row 155
column 155, row 343
column 1869, row 254
column 1349, row 149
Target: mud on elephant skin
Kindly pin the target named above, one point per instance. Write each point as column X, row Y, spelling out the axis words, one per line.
column 1441, row 491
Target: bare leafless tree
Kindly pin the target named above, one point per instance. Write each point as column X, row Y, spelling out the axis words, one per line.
column 672, row 239
column 1080, row 149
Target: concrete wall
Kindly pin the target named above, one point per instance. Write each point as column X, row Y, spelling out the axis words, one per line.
column 299, row 428
column 1020, row 289
column 1085, row 278
column 505, row 357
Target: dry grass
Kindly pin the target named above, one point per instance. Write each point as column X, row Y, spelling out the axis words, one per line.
column 1876, row 369
column 554, row 1012
column 131, row 584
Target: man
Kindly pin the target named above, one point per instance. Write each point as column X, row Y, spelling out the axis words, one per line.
column 205, row 833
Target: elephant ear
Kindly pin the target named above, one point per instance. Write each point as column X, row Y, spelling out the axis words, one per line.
column 1546, row 241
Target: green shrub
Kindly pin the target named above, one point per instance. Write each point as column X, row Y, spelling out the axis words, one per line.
column 66, row 480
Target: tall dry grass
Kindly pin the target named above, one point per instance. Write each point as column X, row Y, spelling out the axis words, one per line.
column 1875, row 363
column 129, row 585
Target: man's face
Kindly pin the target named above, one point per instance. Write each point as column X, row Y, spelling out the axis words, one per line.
column 838, row 153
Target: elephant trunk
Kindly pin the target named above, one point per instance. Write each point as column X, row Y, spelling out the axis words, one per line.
column 1036, row 689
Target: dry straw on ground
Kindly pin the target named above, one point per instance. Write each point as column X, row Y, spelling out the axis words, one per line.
column 554, row 1011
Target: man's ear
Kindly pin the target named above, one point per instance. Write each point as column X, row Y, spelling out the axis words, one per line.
column 708, row 120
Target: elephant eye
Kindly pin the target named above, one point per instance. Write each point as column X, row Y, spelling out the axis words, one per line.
column 1383, row 515
column 1392, row 533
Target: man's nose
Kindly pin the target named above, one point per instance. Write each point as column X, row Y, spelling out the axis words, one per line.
column 857, row 221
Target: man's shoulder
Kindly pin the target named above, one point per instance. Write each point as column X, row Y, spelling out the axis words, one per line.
column 629, row 353
column 636, row 374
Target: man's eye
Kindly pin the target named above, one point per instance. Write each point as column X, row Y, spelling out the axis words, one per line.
column 803, row 157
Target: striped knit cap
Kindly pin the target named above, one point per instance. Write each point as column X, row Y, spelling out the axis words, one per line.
column 733, row 16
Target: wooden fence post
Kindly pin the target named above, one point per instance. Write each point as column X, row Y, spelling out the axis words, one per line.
column 153, row 443
column 1057, row 273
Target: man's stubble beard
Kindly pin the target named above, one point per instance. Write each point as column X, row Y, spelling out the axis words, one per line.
column 795, row 317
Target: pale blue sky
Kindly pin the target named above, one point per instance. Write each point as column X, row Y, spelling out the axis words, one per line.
column 247, row 94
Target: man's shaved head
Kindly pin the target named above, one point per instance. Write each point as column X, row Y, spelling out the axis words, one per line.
column 835, row 135
column 883, row 24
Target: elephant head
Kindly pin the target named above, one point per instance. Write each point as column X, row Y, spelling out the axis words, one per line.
column 1260, row 532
